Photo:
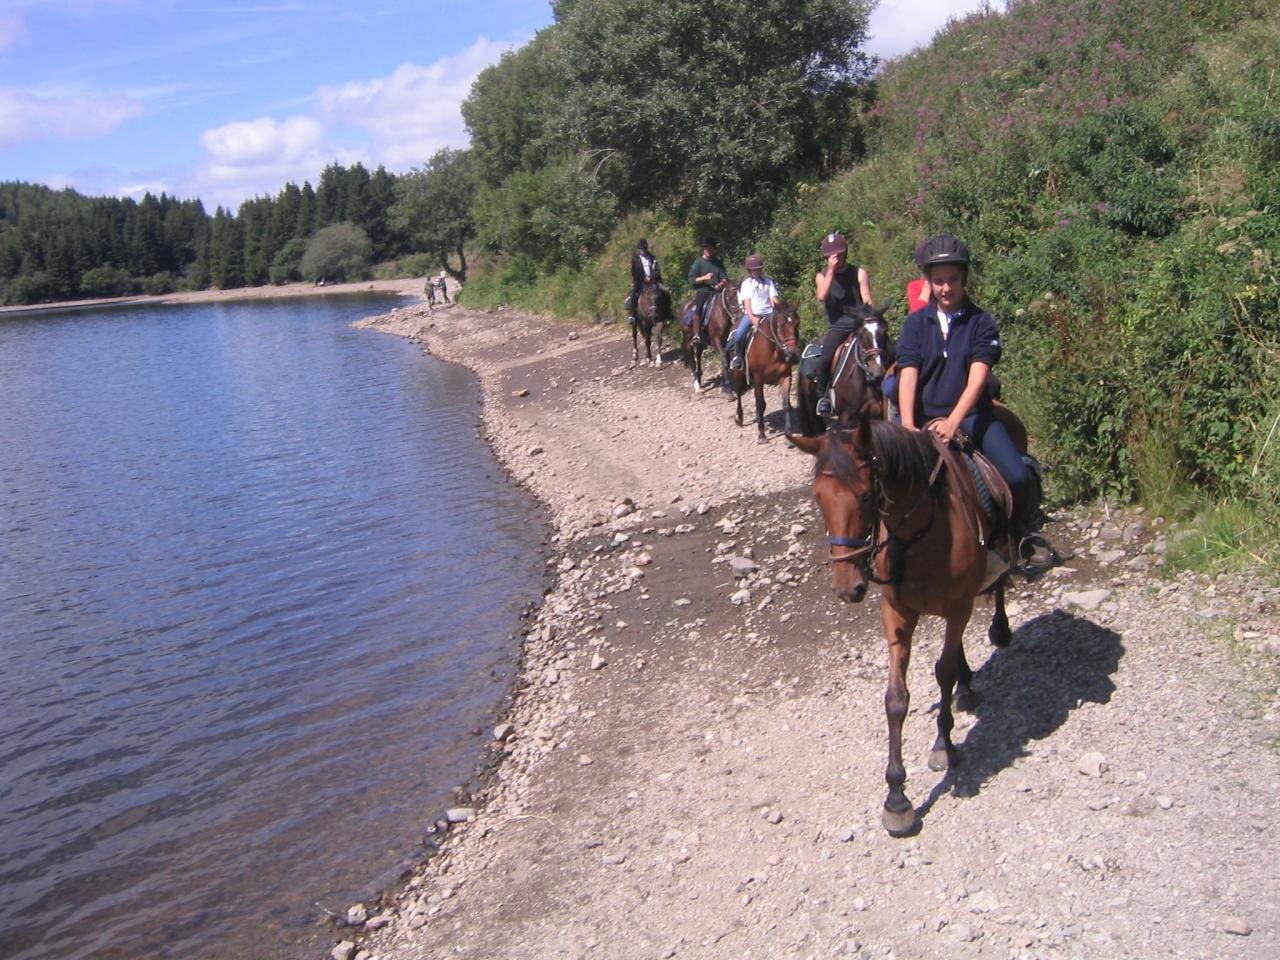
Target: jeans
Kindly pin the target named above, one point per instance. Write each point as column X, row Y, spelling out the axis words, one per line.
column 989, row 436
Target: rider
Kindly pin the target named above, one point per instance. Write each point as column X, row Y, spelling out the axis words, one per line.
column 644, row 266
column 706, row 275
column 945, row 353
column 841, row 287
column 759, row 295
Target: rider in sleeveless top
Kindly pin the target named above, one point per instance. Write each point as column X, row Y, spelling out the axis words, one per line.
column 840, row 287
column 945, row 356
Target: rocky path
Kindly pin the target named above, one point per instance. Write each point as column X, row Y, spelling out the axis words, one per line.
column 692, row 764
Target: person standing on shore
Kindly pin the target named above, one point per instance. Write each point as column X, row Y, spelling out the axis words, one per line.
column 706, row 275
column 443, row 283
column 840, row 287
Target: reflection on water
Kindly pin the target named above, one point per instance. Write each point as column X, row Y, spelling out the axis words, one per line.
column 257, row 581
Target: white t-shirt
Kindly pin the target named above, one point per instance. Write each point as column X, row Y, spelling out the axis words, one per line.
column 759, row 294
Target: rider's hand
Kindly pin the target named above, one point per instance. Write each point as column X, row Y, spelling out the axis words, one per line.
column 945, row 428
column 833, row 260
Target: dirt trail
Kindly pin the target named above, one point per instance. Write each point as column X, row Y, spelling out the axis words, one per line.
column 693, row 762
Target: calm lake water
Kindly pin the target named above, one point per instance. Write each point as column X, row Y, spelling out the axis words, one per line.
column 258, row 579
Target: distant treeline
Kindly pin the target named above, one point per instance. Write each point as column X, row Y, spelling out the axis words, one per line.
column 60, row 245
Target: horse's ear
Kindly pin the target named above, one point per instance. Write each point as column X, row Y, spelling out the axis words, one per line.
column 810, row 445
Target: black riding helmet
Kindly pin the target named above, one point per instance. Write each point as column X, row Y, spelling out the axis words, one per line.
column 944, row 249
column 642, row 244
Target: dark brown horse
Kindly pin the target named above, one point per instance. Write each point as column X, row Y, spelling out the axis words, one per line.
column 724, row 313
column 771, row 354
column 653, row 310
column 901, row 510
column 858, row 369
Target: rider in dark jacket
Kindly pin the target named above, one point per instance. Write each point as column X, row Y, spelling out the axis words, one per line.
column 644, row 266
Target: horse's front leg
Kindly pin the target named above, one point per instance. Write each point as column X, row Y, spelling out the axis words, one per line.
column 697, row 367
column 785, row 386
column 999, row 633
column 759, row 388
column 635, row 342
column 661, row 327
column 899, row 817
column 944, row 755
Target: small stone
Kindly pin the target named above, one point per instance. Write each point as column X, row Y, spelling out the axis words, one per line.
column 643, row 559
column 797, row 529
column 859, row 905
column 1092, row 764
column 343, row 951
column 534, row 451
column 597, row 661
column 620, row 538
column 1086, row 600
column 741, row 597
column 1237, row 926
column 613, row 859
column 503, row 731
column 585, row 761
column 357, row 915
column 460, row 814
column 1164, row 802
column 522, row 392
column 380, row 921
column 742, row 566
column 963, row 932
column 625, row 508
column 774, row 817
column 551, row 676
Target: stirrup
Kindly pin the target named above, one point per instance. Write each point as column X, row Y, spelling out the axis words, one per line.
column 824, row 407
column 735, row 363
column 1035, row 554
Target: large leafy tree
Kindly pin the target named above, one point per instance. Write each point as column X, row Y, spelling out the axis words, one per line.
column 433, row 209
column 714, row 104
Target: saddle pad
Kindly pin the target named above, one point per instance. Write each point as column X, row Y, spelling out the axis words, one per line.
column 809, row 360
column 993, row 492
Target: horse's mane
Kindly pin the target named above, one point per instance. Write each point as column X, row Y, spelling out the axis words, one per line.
column 906, row 456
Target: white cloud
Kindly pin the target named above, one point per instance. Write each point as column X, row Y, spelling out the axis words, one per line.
column 900, row 26
column 26, row 116
column 398, row 121
column 416, row 110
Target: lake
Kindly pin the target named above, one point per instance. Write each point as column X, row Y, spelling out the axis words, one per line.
column 259, row 586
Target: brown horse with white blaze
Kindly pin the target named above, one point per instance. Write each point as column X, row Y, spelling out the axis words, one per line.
column 900, row 511
column 771, row 354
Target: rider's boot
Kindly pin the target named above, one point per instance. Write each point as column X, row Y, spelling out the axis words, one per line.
column 824, row 407
column 739, row 353
column 1034, row 553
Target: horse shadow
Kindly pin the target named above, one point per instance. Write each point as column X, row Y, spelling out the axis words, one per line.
column 1027, row 690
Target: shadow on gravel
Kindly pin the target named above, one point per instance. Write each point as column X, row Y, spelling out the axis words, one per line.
column 1026, row 692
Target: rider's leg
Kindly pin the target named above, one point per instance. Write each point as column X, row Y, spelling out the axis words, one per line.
column 630, row 305
column 740, row 342
column 822, row 381
column 700, row 302
column 990, row 436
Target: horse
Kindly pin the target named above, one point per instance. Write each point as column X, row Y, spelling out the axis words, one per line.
column 724, row 313
column 653, row 309
column 901, row 509
column 771, row 353
column 859, row 366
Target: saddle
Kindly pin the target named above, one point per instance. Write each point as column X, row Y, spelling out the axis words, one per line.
column 811, row 358
column 982, row 488
column 687, row 319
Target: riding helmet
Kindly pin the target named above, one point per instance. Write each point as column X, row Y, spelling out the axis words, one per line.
column 754, row 262
column 834, row 242
column 945, row 249
column 709, row 242
column 643, row 244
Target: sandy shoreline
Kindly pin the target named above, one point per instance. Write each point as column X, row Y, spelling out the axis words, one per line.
column 692, row 762
column 408, row 287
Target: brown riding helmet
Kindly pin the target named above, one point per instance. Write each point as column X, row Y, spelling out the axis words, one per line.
column 754, row 262
column 834, row 242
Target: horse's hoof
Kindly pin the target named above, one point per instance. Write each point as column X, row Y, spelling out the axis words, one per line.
column 940, row 760
column 965, row 700
column 999, row 637
column 762, row 439
column 900, row 824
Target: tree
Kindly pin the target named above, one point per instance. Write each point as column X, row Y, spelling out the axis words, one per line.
column 732, row 102
column 339, row 251
column 433, row 209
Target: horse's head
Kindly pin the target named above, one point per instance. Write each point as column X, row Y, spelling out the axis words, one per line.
column 872, row 349
column 786, row 327
column 846, row 487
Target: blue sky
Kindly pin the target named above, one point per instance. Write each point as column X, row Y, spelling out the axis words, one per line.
column 226, row 100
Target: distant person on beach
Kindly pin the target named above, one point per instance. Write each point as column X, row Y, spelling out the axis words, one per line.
column 644, row 266
column 429, row 291
column 443, row 283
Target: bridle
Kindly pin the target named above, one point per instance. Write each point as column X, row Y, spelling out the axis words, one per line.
column 863, row 358
column 770, row 329
column 863, row 550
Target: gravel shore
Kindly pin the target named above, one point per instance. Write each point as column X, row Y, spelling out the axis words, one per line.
column 692, row 763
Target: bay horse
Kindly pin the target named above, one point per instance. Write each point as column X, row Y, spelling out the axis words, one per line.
column 771, row 353
column 901, row 509
column 858, row 367
column 725, row 311
column 653, row 310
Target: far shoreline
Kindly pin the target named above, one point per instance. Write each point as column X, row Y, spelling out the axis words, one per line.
column 405, row 287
